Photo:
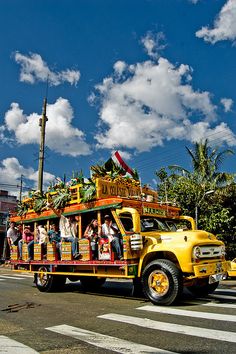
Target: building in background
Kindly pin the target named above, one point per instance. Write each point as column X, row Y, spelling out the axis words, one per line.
column 7, row 203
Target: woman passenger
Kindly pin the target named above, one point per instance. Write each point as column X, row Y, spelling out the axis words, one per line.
column 91, row 233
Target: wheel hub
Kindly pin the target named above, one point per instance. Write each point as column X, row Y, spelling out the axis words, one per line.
column 159, row 283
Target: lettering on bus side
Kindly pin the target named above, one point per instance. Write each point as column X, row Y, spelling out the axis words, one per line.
column 148, row 210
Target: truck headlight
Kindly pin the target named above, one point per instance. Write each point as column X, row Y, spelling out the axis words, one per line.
column 196, row 252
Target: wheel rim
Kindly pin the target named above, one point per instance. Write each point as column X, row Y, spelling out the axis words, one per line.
column 158, row 283
column 42, row 278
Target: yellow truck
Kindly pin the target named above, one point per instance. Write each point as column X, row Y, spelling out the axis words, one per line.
column 162, row 251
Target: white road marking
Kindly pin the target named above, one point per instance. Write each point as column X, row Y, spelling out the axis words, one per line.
column 104, row 341
column 231, row 306
column 221, row 297
column 173, row 327
column 11, row 277
column 189, row 313
column 225, row 291
column 213, row 304
column 11, row 346
column 21, row 275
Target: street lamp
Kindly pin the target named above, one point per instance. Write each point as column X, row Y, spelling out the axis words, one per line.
column 197, row 205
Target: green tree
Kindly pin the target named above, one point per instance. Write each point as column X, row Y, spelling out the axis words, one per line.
column 205, row 190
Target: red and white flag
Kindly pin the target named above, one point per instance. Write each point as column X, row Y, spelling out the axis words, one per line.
column 117, row 159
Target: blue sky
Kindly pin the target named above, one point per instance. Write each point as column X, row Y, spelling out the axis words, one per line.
column 145, row 77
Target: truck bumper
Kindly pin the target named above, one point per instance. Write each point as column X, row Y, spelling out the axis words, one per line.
column 211, row 269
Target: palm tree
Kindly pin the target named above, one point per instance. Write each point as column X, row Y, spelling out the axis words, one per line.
column 205, row 166
column 191, row 188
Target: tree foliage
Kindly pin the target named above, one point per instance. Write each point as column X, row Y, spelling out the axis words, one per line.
column 204, row 191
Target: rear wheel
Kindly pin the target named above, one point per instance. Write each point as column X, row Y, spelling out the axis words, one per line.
column 203, row 288
column 92, row 283
column 162, row 282
column 47, row 282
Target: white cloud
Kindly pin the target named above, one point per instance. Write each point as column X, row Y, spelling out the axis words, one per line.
column 11, row 171
column 224, row 25
column 34, row 68
column 154, row 103
column 119, row 67
column 61, row 136
column 227, row 103
column 153, row 43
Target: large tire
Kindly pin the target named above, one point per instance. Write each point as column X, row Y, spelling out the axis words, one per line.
column 202, row 287
column 162, row 282
column 48, row 282
column 92, row 283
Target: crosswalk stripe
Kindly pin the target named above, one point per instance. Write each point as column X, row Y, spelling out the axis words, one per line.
column 173, row 327
column 104, row 341
column 11, row 277
column 11, row 346
column 25, row 275
column 221, row 297
column 215, row 304
column 212, row 304
column 226, row 291
column 189, row 313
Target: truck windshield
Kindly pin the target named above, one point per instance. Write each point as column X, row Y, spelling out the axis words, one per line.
column 153, row 224
column 158, row 224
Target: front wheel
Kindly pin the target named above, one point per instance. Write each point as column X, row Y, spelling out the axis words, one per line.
column 162, row 282
column 47, row 282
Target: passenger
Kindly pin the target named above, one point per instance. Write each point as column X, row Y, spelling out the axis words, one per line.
column 41, row 238
column 68, row 231
column 27, row 237
column 54, row 237
column 110, row 230
column 13, row 235
column 91, row 233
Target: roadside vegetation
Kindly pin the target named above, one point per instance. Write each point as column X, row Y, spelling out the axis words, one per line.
column 204, row 192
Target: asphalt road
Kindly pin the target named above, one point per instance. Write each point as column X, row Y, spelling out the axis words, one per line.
column 111, row 320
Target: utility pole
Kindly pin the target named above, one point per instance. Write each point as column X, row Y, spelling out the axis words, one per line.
column 21, row 186
column 42, row 124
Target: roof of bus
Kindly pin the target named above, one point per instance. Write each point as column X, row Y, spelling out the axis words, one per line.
column 144, row 207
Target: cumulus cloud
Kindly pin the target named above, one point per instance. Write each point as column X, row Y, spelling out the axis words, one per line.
column 153, row 103
column 11, row 171
column 224, row 25
column 61, row 136
column 120, row 67
column 34, row 68
column 154, row 43
column 227, row 104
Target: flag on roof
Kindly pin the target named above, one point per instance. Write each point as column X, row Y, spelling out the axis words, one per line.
column 117, row 159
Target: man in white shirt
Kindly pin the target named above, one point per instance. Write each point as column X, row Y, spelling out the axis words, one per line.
column 110, row 230
column 13, row 235
column 68, row 231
